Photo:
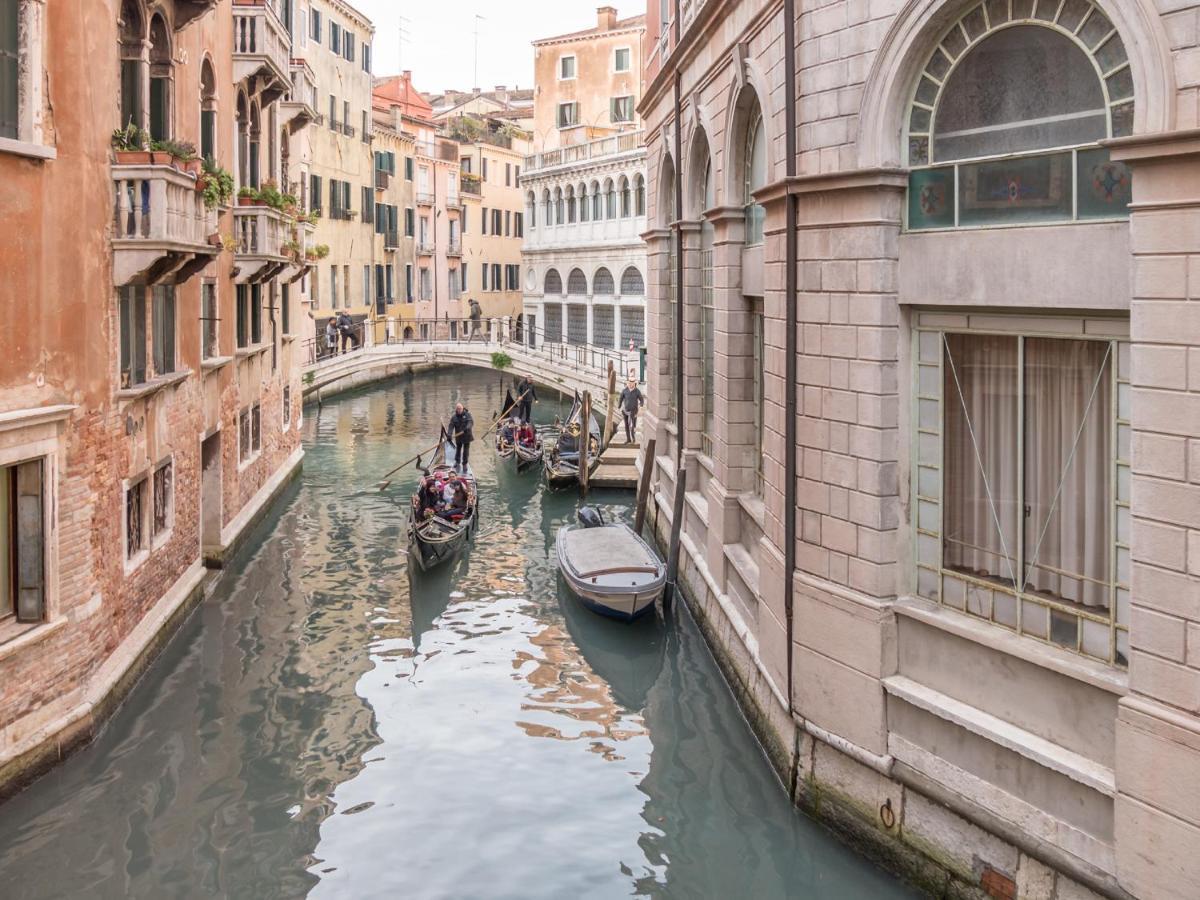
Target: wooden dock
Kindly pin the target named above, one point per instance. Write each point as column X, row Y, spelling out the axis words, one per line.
column 617, row 467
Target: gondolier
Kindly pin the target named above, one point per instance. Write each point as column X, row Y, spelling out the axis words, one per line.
column 526, row 397
column 462, row 432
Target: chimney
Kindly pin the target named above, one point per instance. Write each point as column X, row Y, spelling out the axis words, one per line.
column 502, row 94
column 606, row 18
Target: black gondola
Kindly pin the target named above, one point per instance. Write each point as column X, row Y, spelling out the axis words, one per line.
column 433, row 538
column 562, row 463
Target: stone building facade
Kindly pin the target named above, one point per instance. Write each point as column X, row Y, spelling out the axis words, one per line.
column 925, row 344
column 151, row 393
column 585, row 189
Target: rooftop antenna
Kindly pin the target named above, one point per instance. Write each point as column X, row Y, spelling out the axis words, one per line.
column 478, row 19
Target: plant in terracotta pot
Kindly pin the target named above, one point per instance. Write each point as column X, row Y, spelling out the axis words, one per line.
column 292, row 250
column 216, row 184
column 131, row 145
column 270, row 195
column 248, row 196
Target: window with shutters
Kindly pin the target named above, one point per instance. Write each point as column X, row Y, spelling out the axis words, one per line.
column 131, row 311
column 568, row 115
column 162, row 512
column 209, row 321
column 137, row 525
column 23, row 542
column 162, row 317
column 622, row 109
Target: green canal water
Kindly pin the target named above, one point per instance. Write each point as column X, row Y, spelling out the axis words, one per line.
column 323, row 726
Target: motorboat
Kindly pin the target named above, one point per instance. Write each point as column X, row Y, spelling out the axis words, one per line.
column 609, row 567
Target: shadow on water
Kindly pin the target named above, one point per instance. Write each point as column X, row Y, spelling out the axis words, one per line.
column 327, row 725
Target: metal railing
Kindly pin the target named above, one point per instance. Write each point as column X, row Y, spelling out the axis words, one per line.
column 382, row 180
column 424, row 198
column 391, row 240
column 425, row 248
column 454, row 248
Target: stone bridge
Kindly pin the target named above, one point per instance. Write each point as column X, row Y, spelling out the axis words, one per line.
column 567, row 367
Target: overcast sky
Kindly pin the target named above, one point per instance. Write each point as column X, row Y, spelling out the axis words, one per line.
column 439, row 43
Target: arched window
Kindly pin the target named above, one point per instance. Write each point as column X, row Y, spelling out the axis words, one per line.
column 706, row 199
column 243, row 145
column 632, row 284
column 570, row 205
column 602, row 284
column 584, row 211
column 755, row 173
column 547, row 209
column 208, row 111
column 577, row 283
column 1041, row 90
column 610, row 199
column 626, row 198
column 639, row 195
column 531, row 209
column 161, row 75
column 133, row 58
column 255, row 142
column 597, row 202
column 553, row 283
column 667, row 215
column 559, row 218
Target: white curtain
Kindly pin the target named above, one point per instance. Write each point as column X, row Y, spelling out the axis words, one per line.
column 980, row 446
column 1068, row 465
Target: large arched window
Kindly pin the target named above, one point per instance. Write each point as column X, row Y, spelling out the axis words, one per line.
column 626, row 198
column 666, row 215
column 602, row 284
column 1039, row 90
column 570, row 204
column 547, row 209
column 208, row 111
column 255, row 142
column 632, row 283
column 553, row 283
column 531, row 209
column 161, row 76
column 705, row 199
column 639, row 195
column 754, row 173
column 610, row 199
column 597, row 202
column 583, row 203
column 577, row 283
column 243, row 144
column 133, row 48
column 559, row 217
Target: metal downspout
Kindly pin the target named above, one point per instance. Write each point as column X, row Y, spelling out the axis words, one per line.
column 790, row 343
column 680, row 400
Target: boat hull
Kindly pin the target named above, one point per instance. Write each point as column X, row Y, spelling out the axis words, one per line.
column 629, row 580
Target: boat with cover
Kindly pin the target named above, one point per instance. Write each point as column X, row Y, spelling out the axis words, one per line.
column 432, row 538
column 609, row 567
column 562, row 464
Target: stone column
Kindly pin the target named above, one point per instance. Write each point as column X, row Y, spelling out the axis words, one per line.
column 658, row 287
column 847, row 417
column 1158, row 725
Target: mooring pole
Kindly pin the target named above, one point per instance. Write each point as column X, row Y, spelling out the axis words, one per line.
column 639, row 515
column 585, row 443
column 676, row 528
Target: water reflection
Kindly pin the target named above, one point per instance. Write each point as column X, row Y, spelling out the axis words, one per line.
column 329, row 725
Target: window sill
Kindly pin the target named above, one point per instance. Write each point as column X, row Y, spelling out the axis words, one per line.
column 29, row 149
column 250, row 460
column 1097, row 674
column 154, row 385
column 215, row 363
column 753, row 506
column 18, row 636
column 253, row 350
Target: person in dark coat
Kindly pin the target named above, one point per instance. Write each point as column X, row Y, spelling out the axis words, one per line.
column 462, row 432
column 528, row 395
column 428, row 498
column 632, row 400
column 476, row 314
column 346, row 326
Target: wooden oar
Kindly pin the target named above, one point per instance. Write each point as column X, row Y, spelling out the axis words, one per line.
column 505, row 413
column 386, row 483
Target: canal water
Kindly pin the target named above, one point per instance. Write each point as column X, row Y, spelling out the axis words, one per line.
column 324, row 726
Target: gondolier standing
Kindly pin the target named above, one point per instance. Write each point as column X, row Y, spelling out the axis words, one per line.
column 632, row 399
column 526, row 397
column 462, row 432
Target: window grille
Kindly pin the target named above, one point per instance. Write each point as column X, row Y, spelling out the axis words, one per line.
column 577, row 323
column 632, row 284
column 602, row 326
column 602, row 285
column 553, row 313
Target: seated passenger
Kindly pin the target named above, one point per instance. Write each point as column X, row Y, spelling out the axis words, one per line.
column 457, row 506
column 428, row 498
column 528, row 435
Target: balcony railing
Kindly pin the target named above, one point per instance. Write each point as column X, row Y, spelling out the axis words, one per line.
column 160, row 223
column 391, row 241
column 261, row 46
column 453, row 201
column 299, row 105
column 425, row 248
column 382, row 180
column 613, row 145
column 454, row 248
column 348, row 130
column 471, row 185
column 426, row 148
column 260, row 233
column 424, row 198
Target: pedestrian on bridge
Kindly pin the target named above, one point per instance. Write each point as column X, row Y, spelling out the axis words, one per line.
column 632, row 400
column 462, row 431
column 526, row 397
column 476, row 315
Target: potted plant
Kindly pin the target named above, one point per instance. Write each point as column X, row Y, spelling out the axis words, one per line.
column 248, row 196
column 130, row 146
column 216, row 184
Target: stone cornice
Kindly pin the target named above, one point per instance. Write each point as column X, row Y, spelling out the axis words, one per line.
column 884, row 179
column 656, row 234
column 1162, row 145
column 725, row 214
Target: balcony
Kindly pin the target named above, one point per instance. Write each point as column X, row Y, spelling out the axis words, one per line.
column 348, row 130
column 261, row 48
column 424, row 198
column 454, row 248
column 299, row 106
column 261, row 233
column 425, row 248
column 602, row 148
column 454, row 201
column 391, row 241
column 161, row 227
column 472, row 185
column 383, row 180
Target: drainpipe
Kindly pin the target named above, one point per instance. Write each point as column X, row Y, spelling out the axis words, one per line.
column 791, row 203
column 680, row 400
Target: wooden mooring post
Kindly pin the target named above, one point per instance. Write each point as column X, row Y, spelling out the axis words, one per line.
column 676, row 529
column 585, row 443
column 643, row 493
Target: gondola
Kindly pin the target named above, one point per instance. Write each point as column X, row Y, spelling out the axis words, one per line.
column 562, row 463
column 432, row 539
column 505, row 448
column 509, row 447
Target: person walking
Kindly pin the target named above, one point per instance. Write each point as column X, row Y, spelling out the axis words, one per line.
column 527, row 397
column 331, row 338
column 632, row 399
column 476, row 315
column 462, row 432
column 346, row 326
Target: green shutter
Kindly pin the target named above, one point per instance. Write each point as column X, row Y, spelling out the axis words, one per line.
column 31, row 566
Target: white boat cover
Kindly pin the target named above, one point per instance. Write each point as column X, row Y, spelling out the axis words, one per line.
column 594, row 550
